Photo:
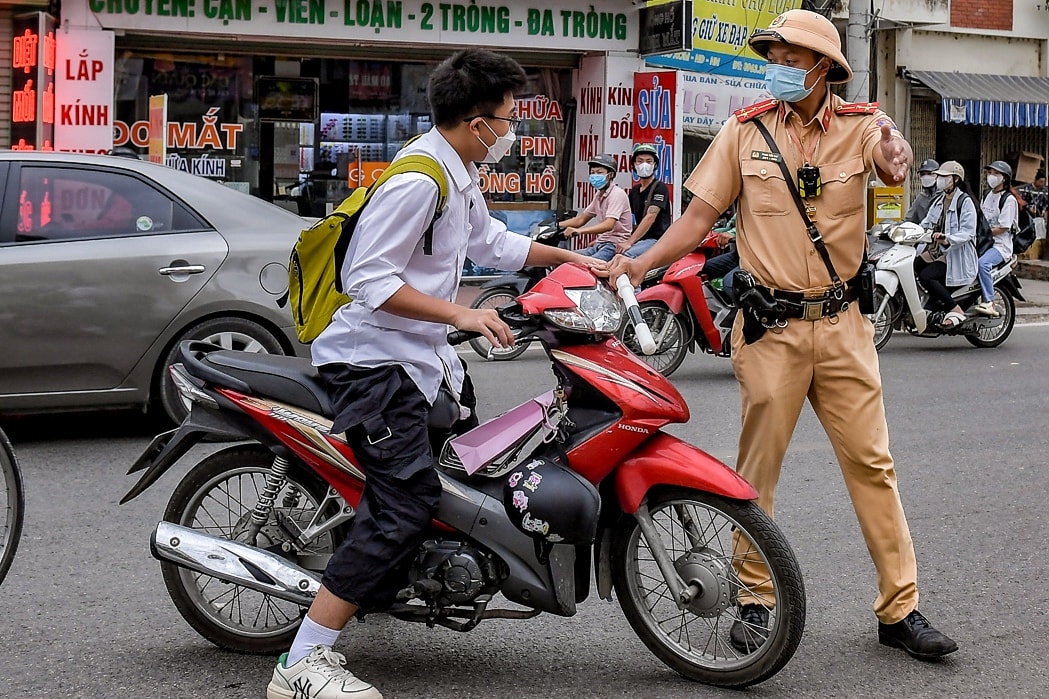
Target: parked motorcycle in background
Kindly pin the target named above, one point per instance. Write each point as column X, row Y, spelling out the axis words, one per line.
column 12, row 505
column 578, row 484
column 684, row 310
column 900, row 303
column 506, row 288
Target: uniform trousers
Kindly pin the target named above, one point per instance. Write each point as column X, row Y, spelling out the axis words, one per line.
column 833, row 363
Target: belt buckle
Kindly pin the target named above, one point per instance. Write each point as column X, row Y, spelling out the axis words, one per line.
column 811, row 310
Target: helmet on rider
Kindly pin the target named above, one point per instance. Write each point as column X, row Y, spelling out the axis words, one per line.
column 1002, row 167
column 644, row 149
column 606, row 161
column 928, row 167
column 810, row 30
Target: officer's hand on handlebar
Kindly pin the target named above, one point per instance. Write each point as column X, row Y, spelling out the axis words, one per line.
column 621, row 264
column 487, row 322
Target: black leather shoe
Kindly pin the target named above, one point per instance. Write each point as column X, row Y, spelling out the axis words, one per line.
column 916, row 636
column 750, row 631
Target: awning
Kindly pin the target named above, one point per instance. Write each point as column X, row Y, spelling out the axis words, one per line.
column 991, row 100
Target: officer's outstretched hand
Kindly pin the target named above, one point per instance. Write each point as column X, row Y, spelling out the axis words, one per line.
column 621, row 264
column 896, row 152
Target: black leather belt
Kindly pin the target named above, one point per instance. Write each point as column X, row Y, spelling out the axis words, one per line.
column 799, row 304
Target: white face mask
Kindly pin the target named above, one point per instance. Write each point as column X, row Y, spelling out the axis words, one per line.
column 994, row 180
column 498, row 150
column 645, row 169
column 928, row 180
column 943, row 182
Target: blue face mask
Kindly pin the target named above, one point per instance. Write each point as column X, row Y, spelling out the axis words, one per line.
column 599, row 181
column 788, row 84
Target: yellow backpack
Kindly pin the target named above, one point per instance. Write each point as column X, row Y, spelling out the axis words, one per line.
column 314, row 287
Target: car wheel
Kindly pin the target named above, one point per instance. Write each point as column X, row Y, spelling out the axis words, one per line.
column 228, row 333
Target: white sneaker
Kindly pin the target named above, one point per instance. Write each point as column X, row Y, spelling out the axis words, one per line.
column 986, row 308
column 320, row 675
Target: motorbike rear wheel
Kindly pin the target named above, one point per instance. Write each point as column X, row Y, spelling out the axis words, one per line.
column 494, row 298
column 217, row 497
column 699, row 533
column 992, row 337
column 671, row 334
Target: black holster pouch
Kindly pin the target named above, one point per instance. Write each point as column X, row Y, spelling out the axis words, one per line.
column 865, row 287
column 760, row 309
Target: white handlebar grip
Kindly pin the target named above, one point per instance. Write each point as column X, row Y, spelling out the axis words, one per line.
column 641, row 331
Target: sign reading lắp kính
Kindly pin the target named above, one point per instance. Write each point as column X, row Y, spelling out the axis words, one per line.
column 33, row 82
column 84, row 91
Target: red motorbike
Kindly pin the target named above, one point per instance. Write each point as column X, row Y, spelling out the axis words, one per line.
column 684, row 310
column 579, row 479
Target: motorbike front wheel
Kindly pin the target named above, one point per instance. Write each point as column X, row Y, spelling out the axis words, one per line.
column 705, row 536
column 494, row 298
column 217, row 496
column 670, row 333
column 992, row 337
column 883, row 321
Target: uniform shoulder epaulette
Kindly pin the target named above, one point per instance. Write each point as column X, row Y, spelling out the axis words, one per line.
column 846, row 108
column 747, row 113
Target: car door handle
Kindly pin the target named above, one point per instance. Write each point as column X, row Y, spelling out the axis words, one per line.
column 183, row 269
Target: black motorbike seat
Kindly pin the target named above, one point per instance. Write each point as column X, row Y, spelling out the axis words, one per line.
column 292, row 380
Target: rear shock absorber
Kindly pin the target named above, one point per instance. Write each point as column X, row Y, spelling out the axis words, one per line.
column 275, row 480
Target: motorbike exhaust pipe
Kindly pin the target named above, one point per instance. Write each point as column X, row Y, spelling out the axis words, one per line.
column 234, row 562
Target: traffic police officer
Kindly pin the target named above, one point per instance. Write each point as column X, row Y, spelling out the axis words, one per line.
column 811, row 339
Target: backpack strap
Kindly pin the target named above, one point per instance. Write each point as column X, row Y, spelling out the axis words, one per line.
column 415, row 162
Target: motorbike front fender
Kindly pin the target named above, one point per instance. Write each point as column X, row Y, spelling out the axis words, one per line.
column 887, row 281
column 667, row 461
column 669, row 294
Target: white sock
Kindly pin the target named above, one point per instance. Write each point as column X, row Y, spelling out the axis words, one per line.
column 310, row 634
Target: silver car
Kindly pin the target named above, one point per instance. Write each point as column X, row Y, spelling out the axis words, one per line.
column 106, row 263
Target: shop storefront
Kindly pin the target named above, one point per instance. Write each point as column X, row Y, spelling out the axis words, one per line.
column 299, row 102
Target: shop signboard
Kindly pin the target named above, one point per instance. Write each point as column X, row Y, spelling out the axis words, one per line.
column 655, row 119
column 33, row 58
column 549, row 24
column 665, row 27
column 708, row 101
column 720, row 30
column 84, row 91
column 158, row 127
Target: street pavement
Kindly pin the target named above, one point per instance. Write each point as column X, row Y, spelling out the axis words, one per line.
column 84, row 612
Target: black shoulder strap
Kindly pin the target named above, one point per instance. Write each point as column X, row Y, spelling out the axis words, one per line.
column 813, row 232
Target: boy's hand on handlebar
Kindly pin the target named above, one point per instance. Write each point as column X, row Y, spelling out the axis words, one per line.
column 487, row 322
column 621, row 264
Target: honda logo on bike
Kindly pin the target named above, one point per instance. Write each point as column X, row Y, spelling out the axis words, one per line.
column 633, row 428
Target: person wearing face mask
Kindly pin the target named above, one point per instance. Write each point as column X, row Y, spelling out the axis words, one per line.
column 385, row 359
column 922, row 202
column 805, row 156
column 610, row 209
column 1001, row 209
column 649, row 202
column 949, row 262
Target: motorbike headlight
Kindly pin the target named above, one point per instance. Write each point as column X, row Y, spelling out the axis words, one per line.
column 907, row 233
column 597, row 310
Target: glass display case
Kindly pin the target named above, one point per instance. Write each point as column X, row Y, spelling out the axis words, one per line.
column 365, row 137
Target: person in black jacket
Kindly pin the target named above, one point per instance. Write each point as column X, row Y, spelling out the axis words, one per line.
column 922, row 202
column 649, row 202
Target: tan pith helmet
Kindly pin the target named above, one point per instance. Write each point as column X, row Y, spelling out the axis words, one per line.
column 808, row 29
column 952, row 167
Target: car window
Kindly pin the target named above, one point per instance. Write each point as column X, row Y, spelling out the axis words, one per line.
column 76, row 203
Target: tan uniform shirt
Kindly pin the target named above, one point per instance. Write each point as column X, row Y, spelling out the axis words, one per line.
column 771, row 237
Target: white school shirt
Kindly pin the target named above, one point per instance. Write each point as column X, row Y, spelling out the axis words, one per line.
column 386, row 252
column 1006, row 218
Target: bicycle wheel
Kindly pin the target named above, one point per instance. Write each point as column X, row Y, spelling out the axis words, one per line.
column 12, row 505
